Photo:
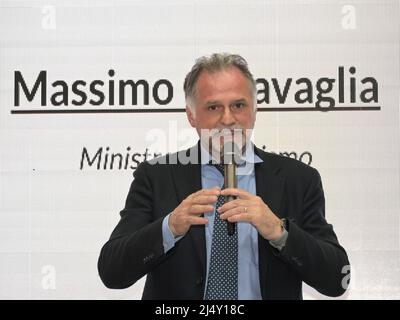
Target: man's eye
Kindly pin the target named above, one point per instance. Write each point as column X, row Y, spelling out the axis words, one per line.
column 212, row 108
column 238, row 105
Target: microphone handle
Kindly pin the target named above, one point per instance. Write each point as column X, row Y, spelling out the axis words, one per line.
column 230, row 181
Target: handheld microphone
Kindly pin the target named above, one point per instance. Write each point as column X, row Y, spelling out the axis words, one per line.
column 231, row 158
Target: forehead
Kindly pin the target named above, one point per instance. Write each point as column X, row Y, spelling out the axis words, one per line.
column 229, row 80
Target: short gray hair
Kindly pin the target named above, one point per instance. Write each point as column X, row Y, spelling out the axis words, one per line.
column 214, row 63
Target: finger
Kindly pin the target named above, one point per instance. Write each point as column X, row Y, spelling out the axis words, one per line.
column 245, row 217
column 197, row 220
column 232, row 204
column 216, row 191
column 232, row 212
column 204, row 199
column 242, row 194
column 208, row 192
column 198, row 209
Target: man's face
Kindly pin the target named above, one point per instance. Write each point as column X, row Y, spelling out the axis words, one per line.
column 223, row 101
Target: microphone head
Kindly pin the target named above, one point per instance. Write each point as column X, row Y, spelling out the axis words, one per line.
column 232, row 153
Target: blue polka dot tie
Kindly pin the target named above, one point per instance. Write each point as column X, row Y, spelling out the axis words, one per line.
column 222, row 281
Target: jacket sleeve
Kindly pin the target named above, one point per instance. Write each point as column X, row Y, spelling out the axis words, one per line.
column 312, row 248
column 135, row 246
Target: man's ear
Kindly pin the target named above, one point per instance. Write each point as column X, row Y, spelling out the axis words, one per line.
column 190, row 116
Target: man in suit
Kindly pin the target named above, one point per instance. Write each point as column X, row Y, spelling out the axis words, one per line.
column 173, row 226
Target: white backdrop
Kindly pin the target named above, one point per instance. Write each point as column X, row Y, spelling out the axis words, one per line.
column 57, row 210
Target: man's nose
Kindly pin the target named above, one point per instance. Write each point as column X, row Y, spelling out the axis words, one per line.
column 227, row 118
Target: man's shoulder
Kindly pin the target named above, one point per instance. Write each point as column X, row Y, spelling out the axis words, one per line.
column 182, row 157
column 288, row 165
column 164, row 162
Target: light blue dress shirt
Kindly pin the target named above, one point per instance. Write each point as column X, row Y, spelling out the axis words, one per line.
column 248, row 268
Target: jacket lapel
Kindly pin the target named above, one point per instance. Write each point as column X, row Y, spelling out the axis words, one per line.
column 269, row 183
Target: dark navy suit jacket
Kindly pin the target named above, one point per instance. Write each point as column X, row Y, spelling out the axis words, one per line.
column 290, row 188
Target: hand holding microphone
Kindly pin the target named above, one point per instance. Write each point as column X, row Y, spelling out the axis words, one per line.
column 240, row 205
